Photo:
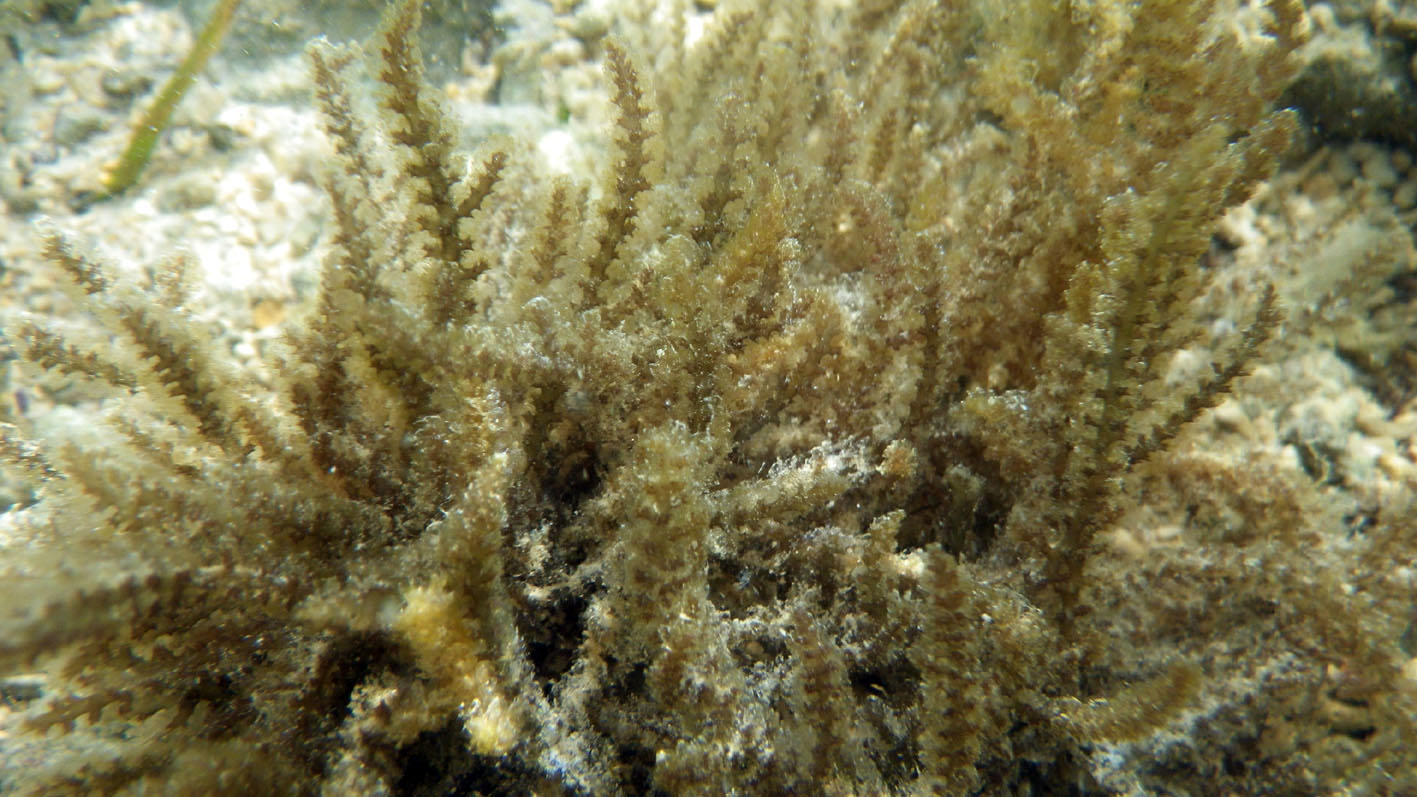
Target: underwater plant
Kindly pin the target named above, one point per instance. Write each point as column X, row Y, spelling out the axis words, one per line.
column 130, row 164
column 777, row 457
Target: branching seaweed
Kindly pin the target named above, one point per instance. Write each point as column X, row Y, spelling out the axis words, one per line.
column 777, row 461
